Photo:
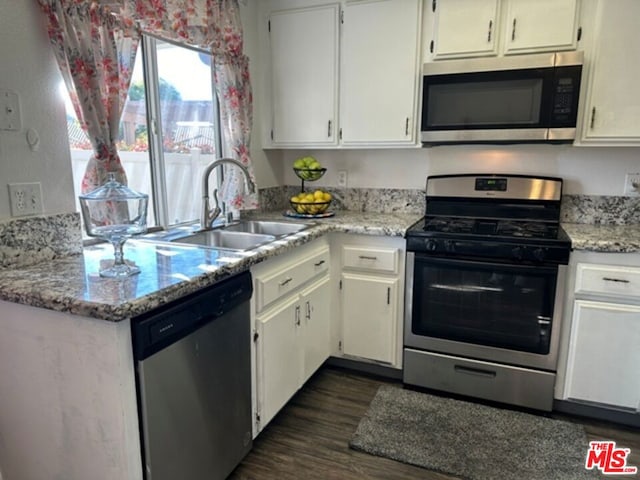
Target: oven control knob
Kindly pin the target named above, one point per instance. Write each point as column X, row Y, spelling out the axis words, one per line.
column 539, row 254
column 431, row 245
column 517, row 253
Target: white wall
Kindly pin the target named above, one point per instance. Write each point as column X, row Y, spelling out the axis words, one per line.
column 29, row 69
column 586, row 170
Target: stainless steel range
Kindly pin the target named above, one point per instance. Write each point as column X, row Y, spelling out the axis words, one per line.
column 486, row 268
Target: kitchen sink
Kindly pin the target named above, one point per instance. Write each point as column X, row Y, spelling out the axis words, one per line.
column 226, row 239
column 277, row 229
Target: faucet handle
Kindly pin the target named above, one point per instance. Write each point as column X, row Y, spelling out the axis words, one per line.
column 215, row 211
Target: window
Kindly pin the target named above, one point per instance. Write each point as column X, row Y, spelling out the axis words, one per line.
column 169, row 131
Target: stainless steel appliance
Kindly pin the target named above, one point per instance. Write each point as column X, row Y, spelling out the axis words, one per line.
column 485, row 272
column 194, row 383
column 524, row 98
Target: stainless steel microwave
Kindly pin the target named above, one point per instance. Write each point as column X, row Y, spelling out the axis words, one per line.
column 519, row 99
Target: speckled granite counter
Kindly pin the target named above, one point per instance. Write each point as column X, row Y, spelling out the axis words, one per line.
column 71, row 283
column 604, row 238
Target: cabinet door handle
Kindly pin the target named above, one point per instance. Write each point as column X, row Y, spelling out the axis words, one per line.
column 329, row 129
column 285, row 281
column 406, row 126
column 388, row 295
column 308, row 311
column 321, row 262
column 297, row 319
column 593, row 116
column 489, row 33
column 513, row 30
column 366, row 257
column 617, row 280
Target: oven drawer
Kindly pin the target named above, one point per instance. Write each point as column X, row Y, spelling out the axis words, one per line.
column 487, row 380
column 608, row 280
column 374, row 259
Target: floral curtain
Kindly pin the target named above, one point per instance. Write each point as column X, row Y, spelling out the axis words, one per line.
column 96, row 53
column 213, row 25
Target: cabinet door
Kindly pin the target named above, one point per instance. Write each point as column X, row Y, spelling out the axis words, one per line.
column 369, row 316
column 304, row 75
column 612, row 108
column 315, row 304
column 279, row 358
column 379, row 62
column 540, row 26
column 604, row 354
column 465, row 28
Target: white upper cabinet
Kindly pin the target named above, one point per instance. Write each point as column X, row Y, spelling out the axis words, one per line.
column 475, row 28
column 378, row 72
column 304, row 75
column 540, row 26
column 612, row 102
column 465, row 28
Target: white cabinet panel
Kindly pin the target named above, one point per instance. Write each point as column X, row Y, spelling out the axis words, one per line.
column 369, row 316
column 304, row 75
column 540, row 25
column 604, row 354
column 612, row 107
column 378, row 85
column 465, row 28
column 315, row 304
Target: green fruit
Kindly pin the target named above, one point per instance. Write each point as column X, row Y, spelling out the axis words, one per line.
column 299, row 163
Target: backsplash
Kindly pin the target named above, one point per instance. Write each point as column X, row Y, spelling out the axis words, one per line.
column 376, row 200
column 600, row 210
column 30, row 240
column 587, row 209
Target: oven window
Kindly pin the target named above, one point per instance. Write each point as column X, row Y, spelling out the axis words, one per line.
column 499, row 305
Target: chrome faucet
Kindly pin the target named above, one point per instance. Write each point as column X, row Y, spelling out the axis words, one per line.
column 208, row 214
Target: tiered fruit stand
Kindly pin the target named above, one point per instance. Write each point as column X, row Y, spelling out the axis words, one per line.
column 305, row 208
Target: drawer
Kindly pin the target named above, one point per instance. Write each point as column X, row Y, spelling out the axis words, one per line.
column 288, row 279
column 608, row 280
column 367, row 258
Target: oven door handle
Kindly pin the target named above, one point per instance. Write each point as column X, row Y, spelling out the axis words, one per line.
column 478, row 372
column 420, row 257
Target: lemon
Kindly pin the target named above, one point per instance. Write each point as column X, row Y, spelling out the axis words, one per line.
column 318, row 195
column 326, row 197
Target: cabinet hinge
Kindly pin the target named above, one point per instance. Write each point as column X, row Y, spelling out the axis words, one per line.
column 431, row 46
column 342, row 17
column 255, row 336
column 269, row 25
column 433, row 5
column 579, row 33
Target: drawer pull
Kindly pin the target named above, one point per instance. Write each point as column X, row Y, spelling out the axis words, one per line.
column 367, row 257
column 475, row 371
column 285, row 281
column 617, row 280
column 321, row 262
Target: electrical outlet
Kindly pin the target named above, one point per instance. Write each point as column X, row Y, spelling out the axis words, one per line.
column 25, row 198
column 632, row 184
column 342, row 178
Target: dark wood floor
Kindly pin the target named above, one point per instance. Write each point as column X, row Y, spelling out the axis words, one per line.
column 309, row 438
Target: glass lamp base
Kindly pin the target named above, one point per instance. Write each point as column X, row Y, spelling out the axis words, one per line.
column 119, row 271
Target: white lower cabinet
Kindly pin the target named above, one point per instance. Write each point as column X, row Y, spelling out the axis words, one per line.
column 600, row 346
column 290, row 313
column 368, row 325
column 604, row 354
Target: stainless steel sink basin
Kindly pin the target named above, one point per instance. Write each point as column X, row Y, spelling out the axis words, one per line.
column 226, row 239
column 277, row 229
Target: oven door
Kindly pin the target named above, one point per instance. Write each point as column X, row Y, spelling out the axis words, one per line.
column 495, row 311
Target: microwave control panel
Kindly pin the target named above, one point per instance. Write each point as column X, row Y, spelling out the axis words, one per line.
column 566, row 86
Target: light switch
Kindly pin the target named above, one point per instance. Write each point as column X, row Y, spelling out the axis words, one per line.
column 10, row 111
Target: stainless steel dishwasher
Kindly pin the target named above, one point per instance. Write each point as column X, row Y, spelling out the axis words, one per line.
column 194, row 383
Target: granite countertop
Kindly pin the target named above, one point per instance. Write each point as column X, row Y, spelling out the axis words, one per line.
column 168, row 271
column 604, row 238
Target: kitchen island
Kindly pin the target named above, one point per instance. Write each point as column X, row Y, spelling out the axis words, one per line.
column 68, row 405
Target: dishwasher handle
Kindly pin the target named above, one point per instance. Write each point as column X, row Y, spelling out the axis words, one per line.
column 155, row 330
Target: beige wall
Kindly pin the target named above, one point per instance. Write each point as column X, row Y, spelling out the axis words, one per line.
column 29, row 69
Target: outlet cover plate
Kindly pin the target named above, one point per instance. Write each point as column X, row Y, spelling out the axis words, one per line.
column 10, row 111
column 630, row 180
column 25, row 198
column 342, row 178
